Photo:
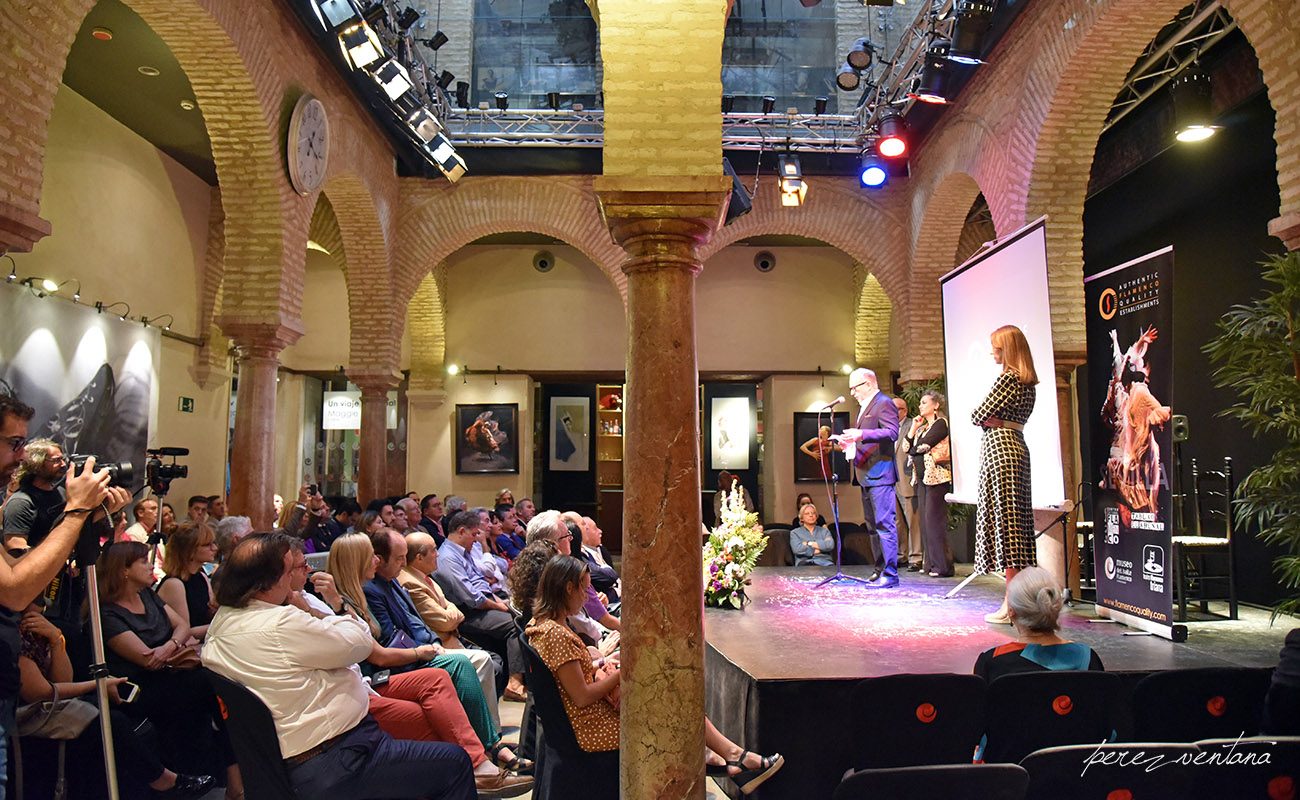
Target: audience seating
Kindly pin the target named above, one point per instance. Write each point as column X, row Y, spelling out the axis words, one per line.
column 942, row 782
column 1032, row 710
column 253, row 738
column 1139, row 771
column 563, row 769
column 916, row 720
column 1232, row 768
column 1212, row 493
column 1184, row 705
column 777, row 553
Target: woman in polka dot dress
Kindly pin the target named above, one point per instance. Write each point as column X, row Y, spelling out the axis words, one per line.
column 1004, row 518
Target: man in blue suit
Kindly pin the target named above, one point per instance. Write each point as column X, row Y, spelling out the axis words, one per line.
column 870, row 444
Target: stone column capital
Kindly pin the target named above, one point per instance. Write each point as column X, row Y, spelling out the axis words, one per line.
column 427, row 399
column 261, row 338
column 378, row 382
column 1067, row 361
column 1287, row 228
column 663, row 221
column 20, row 230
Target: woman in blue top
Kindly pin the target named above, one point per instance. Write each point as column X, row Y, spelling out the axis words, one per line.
column 811, row 543
column 1034, row 604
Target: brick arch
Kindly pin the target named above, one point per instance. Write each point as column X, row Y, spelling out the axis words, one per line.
column 1099, row 60
column 324, row 231
column 977, row 230
column 938, row 231
column 437, row 219
column 426, row 319
column 836, row 212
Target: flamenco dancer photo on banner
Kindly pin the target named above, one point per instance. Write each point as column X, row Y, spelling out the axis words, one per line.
column 1132, row 414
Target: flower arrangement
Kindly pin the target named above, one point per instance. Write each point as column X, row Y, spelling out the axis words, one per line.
column 731, row 552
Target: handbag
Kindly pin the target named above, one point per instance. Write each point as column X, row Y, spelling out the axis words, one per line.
column 942, row 451
column 55, row 718
column 402, row 641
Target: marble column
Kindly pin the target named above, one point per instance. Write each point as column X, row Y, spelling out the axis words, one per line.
column 252, row 457
column 662, row 223
column 1067, row 362
column 372, row 471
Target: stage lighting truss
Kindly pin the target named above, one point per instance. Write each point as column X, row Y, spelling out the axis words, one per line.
column 1198, row 27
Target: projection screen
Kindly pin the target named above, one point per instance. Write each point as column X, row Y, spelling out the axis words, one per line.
column 1004, row 285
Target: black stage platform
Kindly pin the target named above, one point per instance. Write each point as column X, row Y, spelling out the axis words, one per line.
column 778, row 674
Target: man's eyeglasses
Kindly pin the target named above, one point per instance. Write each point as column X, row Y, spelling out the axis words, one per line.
column 857, row 385
column 15, row 443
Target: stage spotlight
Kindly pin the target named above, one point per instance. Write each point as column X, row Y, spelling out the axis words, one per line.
column 462, row 94
column 445, row 79
column 873, row 173
column 435, row 41
column 847, row 79
column 809, row 3
column 360, row 45
column 424, row 123
column 793, row 186
column 503, row 100
column 338, row 13
column 453, row 369
column 1193, row 117
column 969, row 27
column 933, row 86
column 728, row 103
column 446, row 157
column 376, row 13
column 394, row 78
column 553, row 101
column 860, row 54
column 819, row 104
column 407, row 18
column 769, row 103
column 893, row 135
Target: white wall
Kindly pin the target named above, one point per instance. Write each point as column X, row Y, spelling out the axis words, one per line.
column 131, row 224
column 326, row 321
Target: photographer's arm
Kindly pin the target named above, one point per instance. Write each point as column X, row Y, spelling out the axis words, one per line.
column 25, row 578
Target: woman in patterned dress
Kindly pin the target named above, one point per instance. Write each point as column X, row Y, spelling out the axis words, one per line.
column 1004, row 518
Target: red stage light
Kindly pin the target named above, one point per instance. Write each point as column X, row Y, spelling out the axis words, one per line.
column 892, row 147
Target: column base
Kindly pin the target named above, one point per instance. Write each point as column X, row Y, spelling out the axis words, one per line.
column 1287, row 228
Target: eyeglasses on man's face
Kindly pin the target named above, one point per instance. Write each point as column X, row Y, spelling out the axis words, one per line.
column 15, row 443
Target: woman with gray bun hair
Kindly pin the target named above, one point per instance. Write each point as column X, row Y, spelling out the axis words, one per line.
column 1034, row 602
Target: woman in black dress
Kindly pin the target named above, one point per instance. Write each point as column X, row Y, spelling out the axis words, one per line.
column 1004, row 517
column 186, row 590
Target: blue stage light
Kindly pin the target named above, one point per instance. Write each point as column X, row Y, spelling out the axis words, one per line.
column 873, row 174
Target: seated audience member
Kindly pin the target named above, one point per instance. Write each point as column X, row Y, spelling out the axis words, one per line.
column 504, row 496
column 551, row 526
column 229, row 531
column 439, row 613
column 488, row 621
column 353, row 563
column 198, row 508
column 1282, row 703
column 511, row 540
column 799, row 502
column 298, row 664
column 604, row 578
column 150, row 645
column 1035, row 603
column 345, row 515
column 495, row 564
column 431, row 518
column 812, row 544
column 168, row 520
column 145, row 513
column 411, row 510
column 454, row 505
column 186, row 590
column 277, row 505
column 384, row 507
column 590, row 691
column 525, row 510
column 395, row 611
column 216, row 508
column 47, row 675
column 526, row 573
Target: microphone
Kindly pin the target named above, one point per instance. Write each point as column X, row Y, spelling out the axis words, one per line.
column 833, row 403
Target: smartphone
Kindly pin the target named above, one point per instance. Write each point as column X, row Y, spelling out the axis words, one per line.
column 380, row 677
column 313, row 489
column 128, row 691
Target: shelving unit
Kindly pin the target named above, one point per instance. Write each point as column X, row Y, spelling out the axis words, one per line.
column 609, row 463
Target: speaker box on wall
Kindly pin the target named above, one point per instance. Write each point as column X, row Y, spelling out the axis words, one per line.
column 741, row 203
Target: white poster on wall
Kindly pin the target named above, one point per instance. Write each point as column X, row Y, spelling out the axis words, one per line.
column 730, row 416
column 92, row 378
column 341, row 411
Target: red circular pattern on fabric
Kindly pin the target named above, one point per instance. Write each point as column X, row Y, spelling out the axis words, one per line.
column 1119, row 794
column 926, row 713
column 1281, row 788
column 1063, row 705
column 1217, row 706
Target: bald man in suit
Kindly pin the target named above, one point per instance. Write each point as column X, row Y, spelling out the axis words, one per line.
column 870, row 444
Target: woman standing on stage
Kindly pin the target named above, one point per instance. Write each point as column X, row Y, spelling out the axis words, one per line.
column 1004, row 517
column 932, row 473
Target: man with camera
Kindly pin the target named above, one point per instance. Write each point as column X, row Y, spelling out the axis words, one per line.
column 88, row 493
column 31, row 511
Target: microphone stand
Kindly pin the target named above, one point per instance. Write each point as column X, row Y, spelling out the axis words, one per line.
column 832, row 490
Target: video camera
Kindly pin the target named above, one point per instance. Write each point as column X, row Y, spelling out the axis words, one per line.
column 119, row 474
column 158, row 475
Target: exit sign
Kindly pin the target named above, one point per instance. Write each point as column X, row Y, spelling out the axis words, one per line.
column 187, row 405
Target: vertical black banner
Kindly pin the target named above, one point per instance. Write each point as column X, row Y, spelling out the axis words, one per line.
column 1130, row 360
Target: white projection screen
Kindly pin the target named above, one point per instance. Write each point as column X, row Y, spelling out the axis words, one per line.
column 1005, row 285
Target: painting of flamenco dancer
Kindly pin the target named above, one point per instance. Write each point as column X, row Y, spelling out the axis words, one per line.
column 1133, row 415
column 489, row 438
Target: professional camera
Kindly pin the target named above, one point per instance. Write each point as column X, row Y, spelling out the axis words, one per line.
column 160, row 475
column 122, row 474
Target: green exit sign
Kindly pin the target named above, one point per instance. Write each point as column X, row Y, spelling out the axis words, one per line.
column 187, row 405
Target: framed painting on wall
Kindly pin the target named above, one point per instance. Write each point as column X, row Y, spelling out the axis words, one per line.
column 487, row 438
column 730, row 434
column 811, row 448
column 570, row 434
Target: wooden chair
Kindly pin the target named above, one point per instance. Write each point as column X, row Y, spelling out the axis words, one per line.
column 1214, row 525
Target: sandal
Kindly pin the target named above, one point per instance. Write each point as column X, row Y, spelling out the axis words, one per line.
column 517, row 764
column 750, row 779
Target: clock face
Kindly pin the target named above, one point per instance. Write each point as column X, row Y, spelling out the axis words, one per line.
column 308, row 145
